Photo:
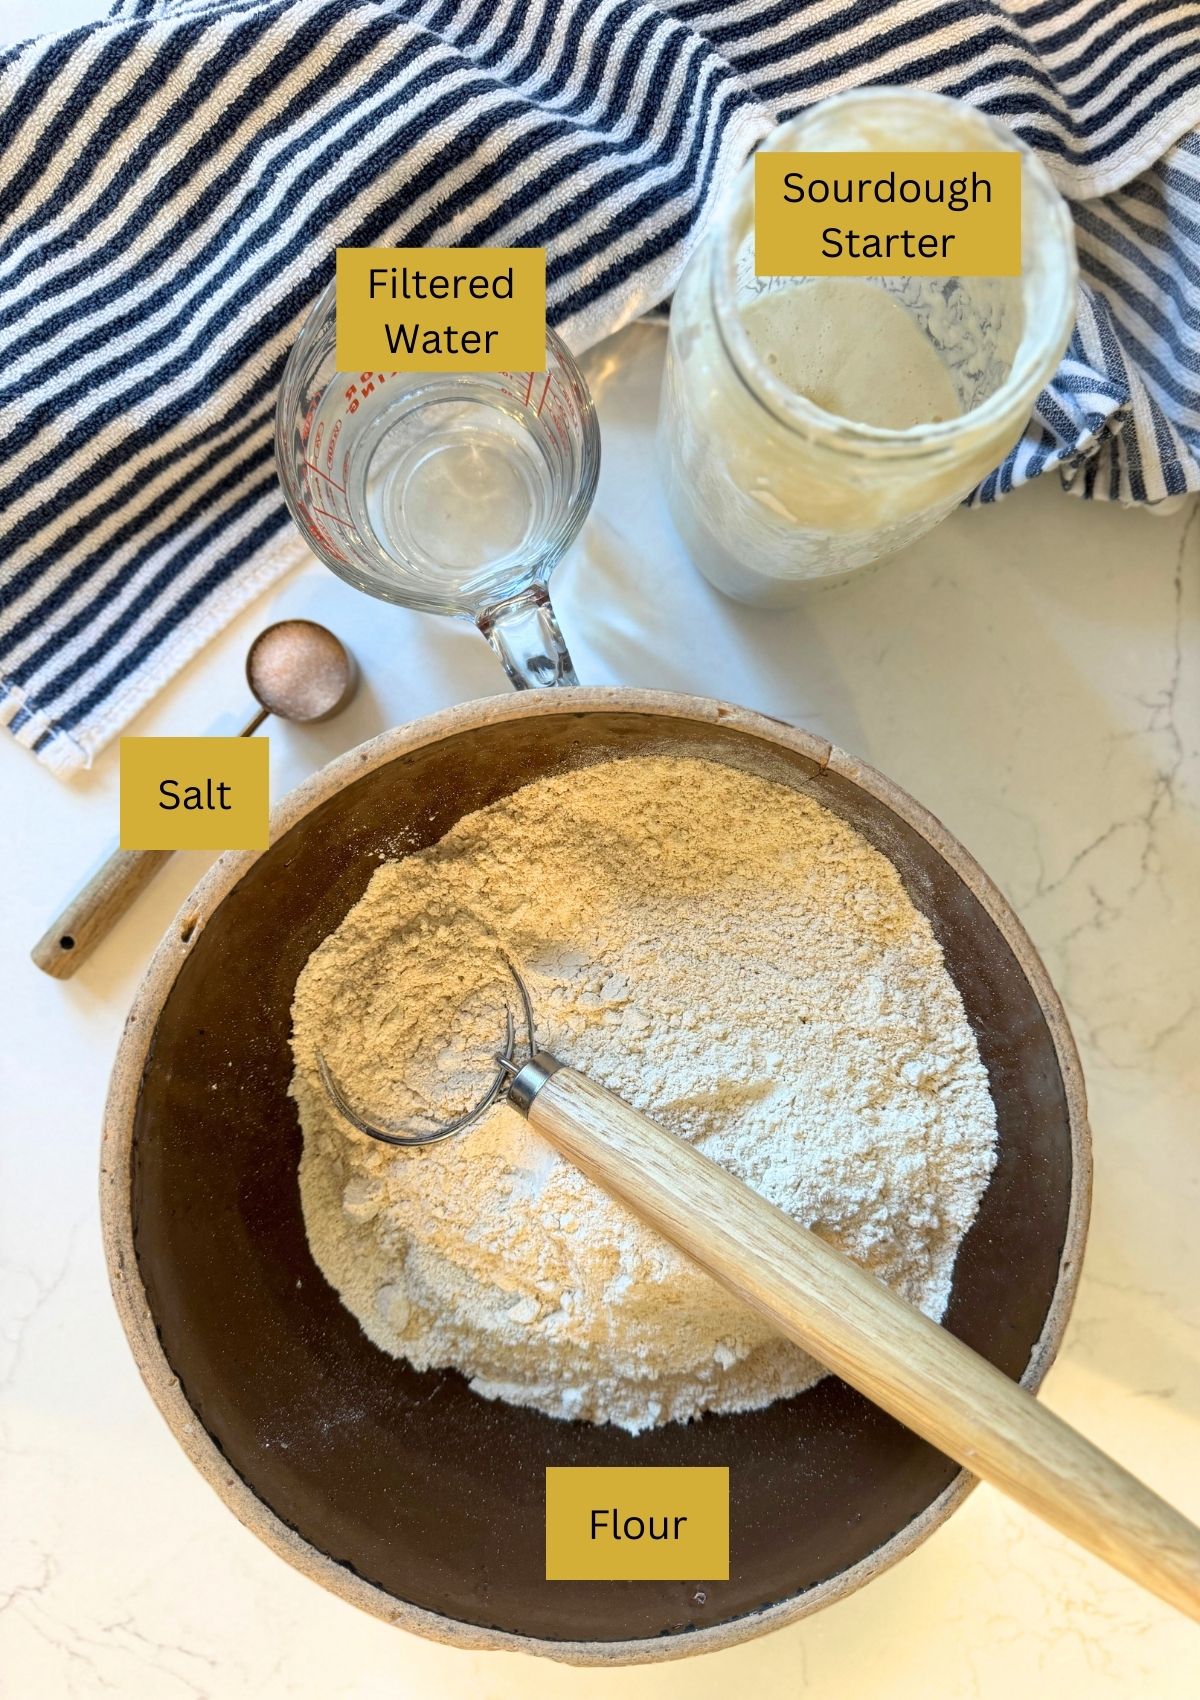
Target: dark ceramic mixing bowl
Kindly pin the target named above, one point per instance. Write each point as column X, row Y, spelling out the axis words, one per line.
column 405, row 1492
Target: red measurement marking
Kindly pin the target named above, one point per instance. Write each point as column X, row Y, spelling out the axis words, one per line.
column 323, row 536
column 545, row 392
column 529, row 389
column 322, row 474
column 342, row 519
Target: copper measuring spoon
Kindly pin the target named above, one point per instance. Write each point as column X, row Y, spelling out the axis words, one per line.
column 296, row 670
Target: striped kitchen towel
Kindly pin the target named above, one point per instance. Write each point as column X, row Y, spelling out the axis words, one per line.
column 175, row 177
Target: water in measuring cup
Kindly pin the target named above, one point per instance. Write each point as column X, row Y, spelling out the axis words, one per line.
column 450, row 479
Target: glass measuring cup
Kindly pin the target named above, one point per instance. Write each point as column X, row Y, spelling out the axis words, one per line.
column 456, row 493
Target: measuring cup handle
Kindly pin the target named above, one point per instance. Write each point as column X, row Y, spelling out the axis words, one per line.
column 524, row 632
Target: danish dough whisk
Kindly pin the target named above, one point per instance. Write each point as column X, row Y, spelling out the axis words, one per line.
column 917, row 1371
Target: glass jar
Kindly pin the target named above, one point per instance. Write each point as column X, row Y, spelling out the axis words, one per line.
column 769, row 489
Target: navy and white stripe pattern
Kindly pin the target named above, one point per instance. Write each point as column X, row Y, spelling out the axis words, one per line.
column 1121, row 421
column 175, row 177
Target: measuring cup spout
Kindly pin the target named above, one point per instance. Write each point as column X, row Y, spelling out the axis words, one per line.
column 524, row 632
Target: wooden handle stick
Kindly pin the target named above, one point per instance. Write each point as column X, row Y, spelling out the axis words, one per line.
column 889, row 1351
column 95, row 910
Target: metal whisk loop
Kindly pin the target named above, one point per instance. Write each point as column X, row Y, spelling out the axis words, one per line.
column 402, row 1133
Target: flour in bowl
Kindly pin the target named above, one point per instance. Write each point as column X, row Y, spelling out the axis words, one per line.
column 729, row 957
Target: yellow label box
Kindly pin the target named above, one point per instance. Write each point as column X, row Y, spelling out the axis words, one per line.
column 651, row 1525
column 194, row 793
column 887, row 214
column 441, row 309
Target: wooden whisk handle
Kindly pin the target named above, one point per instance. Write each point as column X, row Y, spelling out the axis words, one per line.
column 849, row 1321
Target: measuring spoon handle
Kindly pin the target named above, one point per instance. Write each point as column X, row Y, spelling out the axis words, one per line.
column 95, row 910
column 919, row 1373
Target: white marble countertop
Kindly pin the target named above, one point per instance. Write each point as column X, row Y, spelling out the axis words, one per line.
column 1032, row 674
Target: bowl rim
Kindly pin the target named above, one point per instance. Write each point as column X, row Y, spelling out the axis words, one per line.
column 116, row 1212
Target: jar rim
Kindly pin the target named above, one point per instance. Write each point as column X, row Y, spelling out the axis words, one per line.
column 854, row 437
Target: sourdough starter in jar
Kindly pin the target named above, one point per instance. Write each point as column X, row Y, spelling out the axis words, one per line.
column 810, row 426
column 853, row 350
